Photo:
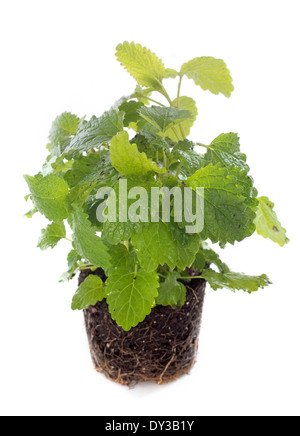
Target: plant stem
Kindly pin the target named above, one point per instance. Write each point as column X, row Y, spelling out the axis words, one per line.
column 191, row 278
column 178, row 92
column 155, row 101
column 202, row 145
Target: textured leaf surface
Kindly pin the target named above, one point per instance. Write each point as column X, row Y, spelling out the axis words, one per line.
column 235, row 281
column 49, row 195
column 93, row 133
column 89, row 293
column 163, row 118
column 86, row 242
column 225, row 150
column 190, row 160
column 188, row 104
column 161, row 243
column 207, row 257
column 267, row 223
column 227, row 216
column 63, row 129
column 52, row 235
column 143, row 65
column 131, row 111
column 209, row 73
column 171, row 292
column 128, row 160
column 131, row 296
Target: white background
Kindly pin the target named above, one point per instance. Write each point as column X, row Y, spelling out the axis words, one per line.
column 58, row 56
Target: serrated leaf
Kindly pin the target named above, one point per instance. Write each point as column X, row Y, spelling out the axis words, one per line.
column 121, row 257
column 92, row 134
column 49, row 195
column 89, row 293
column 171, row 292
column 228, row 216
column 128, row 160
column 131, row 111
column 185, row 103
column 52, row 235
column 209, row 73
column 86, row 242
column 63, row 129
column 267, row 223
column 163, row 118
column 225, row 150
column 73, row 266
column 131, row 296
column 235, row 281
column 190, row 160
column 170, row 73
column 164, row 243
column 207, row 257
column 143, row 65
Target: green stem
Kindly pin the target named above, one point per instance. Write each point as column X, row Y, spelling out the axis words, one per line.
column 191, row 278
column 70, row 240
column 202, row 145
column 155, row 101
column 178, row 92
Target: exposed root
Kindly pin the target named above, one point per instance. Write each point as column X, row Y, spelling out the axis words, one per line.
column 160, row 349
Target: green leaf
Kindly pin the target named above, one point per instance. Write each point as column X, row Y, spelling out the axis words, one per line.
column 171, row 292
column 163, row 118
column 89, row 293
column 228, row 216
column 164, row 243
column 86, row 242
column 209, row 73
column 267, row 224
column 63, row 129
column 225, row 150
column 131, row 111
column 170, row 73
column 73, row 266
column 128, row 160
column 235, row 281
column 142, row 94
column 190, row 160
column 52, row 235
column 131, row 296
column 206, row 257
column 188, row 104
column 121, row 257
column 94, row 133
column 143, row 65
column 49, row 195
column 31, row 213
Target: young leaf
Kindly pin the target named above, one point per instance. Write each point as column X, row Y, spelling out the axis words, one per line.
column 63, row 129
column 94, row 133
column 267, row 224
column 49, row 195
column 143, row 65
column 73, row 266
column 188, row 104
column 86, row 242
column 235, row 281
column 171, row 292
column 228, row 217
column 52, row 235
column 163, row 118
column 170, row 73
column 161, row 243
column 89, row 293
column 131, row 296
column 128, row 160
column 209, row 73
column 206, row 257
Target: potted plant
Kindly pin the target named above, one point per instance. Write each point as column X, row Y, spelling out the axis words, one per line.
column 142, row 205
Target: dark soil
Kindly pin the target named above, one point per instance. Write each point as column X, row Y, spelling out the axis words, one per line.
column 160, row 349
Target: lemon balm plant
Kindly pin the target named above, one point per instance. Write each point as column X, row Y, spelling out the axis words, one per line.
column 142, row 280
